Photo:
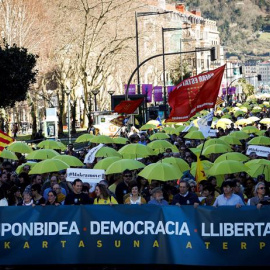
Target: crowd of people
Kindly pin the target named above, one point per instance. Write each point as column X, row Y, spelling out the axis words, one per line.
column 238, row 189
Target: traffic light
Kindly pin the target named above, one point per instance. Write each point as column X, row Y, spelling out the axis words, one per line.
column 259, row 77
column 234, row 71
column 213, row 54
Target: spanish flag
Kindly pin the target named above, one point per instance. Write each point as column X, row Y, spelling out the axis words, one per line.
column 200, row 174
column 5, row 139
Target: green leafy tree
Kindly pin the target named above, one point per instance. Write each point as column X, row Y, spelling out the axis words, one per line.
column 16, row 74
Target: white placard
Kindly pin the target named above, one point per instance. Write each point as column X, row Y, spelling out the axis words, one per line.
column 261, row 151
column 91, row 176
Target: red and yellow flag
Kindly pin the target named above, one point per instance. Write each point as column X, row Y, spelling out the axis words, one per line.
column 219, row 101
column 200, row 174
column 5, row 139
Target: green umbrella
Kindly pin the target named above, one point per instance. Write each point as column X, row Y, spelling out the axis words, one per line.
column 258, row 169
column 148, row 126
column 232, row 156
column 230, row 140
column 160, row 145
column 181, row 163
column 196, row 151
column 226, row 116
column 62, row 146
column 250, row 129
column 216, row 149
column 253, row 118
column 84, row 138
column 243, row 121
column 227, row 167
column 19, row 168
column 19, row 147
column 215, row 141
column 123, row 164
column 106, row 162
column 159, row 136
column 261, row 133
column 70, row 160
column 265, row 121
column 42, row 154
column 239, row 112
column 161, row 171
column 171, row 130
column 260, row 140
column 195, row 135
column 120, row 140
column 241, row 135
column 49, row 144
column 8, row 155
column 107, row 152
column 257, row 161
column 49, row 165
column 180, row 128
column 136, row 150
column 101, row 139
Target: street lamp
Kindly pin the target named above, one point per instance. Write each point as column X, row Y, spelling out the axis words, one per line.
column 111, row 92
column 95, row 92
column 68, row 95
column 142, row 14
column 163, row 56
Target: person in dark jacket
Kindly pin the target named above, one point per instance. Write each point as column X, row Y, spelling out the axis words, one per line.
column 185, row 197
column 77, row 197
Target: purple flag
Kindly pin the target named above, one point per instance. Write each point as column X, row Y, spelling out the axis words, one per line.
column 169, row 89
column 147, row 90
column 158, row 93
column 231, row 90
column 224, row 91
column 131, row 89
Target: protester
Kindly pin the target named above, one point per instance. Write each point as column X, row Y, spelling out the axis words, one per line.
column 122, row 188
column 185, row 197
column 134, row 197
column 38, row 199
column 3, row 199
column 60, row 197
column 14, row 196
column 77, row 197
column 27, row 199
column 52, row 198
column 259, row 198
column 228, row 198
column 103, row 196
column 158, row 198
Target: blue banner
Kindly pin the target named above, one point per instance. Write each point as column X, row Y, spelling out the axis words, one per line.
column 134, row 234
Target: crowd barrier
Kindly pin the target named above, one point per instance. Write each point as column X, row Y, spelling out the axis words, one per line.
column 134, row 234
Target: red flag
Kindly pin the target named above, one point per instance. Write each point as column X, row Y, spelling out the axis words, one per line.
column 128, row 106
column 195, row 94
column 5, row 139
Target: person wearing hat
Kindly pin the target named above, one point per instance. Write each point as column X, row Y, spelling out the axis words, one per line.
column 157, row 195
column 228, row 198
